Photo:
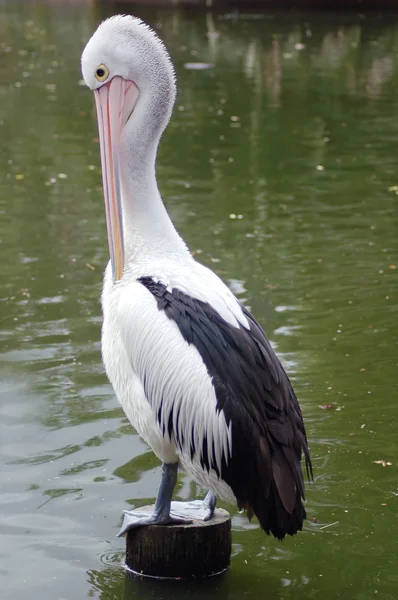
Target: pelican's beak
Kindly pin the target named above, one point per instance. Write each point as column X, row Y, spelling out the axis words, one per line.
column 115, row 101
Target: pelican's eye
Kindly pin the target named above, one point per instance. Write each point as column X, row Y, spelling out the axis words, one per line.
column 101, row 73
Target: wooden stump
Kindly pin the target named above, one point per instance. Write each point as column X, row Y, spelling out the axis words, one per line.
column 197, row 550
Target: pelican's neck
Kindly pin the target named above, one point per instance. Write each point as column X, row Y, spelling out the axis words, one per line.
column 148, row 229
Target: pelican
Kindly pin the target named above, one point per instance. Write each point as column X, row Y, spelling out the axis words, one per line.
column 191, row 367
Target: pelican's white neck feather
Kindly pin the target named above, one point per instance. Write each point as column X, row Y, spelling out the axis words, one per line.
column 132, row 50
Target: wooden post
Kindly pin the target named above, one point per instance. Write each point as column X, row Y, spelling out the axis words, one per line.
column 197, row 550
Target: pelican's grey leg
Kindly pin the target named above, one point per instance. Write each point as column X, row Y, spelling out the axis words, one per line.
column 161, row 513
column 210, row 503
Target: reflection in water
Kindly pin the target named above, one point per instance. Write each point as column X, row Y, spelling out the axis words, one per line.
column 279, row 170
column 112, row 582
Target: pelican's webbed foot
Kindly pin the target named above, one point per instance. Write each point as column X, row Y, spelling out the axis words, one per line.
column 201, row 510
column 139, row 518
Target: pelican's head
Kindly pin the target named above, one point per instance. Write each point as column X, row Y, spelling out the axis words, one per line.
column 126, row 65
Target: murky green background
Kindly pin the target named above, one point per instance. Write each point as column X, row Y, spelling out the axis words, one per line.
column 276, row 169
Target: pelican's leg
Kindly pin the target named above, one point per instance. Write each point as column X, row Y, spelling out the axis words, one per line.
column 196, row 509
column 210, row 502
column 161, row 513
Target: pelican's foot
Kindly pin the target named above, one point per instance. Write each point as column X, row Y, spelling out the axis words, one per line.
column 199, row 510
column 139, row 518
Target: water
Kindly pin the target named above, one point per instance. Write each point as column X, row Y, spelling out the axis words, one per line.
column 279, row 169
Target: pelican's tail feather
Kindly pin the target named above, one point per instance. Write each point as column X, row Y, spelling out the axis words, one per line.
column 272, row 488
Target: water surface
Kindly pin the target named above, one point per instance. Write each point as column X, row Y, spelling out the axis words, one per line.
column 279, row 169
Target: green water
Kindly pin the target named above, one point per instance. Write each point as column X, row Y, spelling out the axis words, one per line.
column 276, row 169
